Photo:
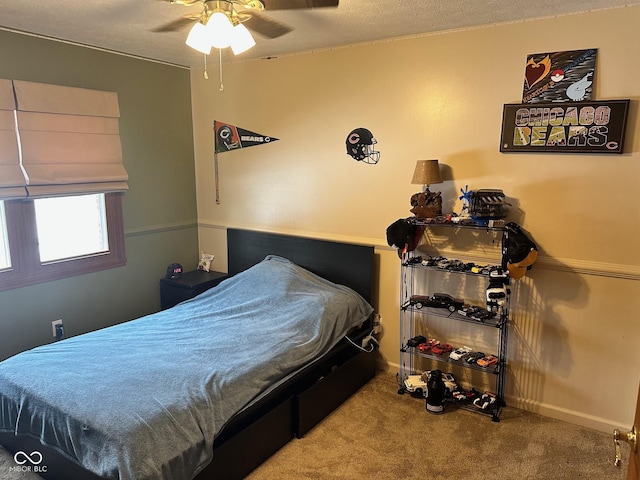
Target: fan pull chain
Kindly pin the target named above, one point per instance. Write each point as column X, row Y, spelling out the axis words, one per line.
column 206, row 75
column 220, row 56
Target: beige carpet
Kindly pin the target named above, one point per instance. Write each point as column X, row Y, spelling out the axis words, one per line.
column 378, row 434
column 381, row 435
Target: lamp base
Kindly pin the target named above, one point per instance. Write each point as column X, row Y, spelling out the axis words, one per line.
column 426, row 204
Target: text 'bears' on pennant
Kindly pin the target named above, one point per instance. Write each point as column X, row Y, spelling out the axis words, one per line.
column 229, row 137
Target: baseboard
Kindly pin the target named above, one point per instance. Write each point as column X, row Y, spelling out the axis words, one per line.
column 546, row 410
column 566, row 415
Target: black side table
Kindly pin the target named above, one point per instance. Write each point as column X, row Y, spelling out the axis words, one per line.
column 190, row 284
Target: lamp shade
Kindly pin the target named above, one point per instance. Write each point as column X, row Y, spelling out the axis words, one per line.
column 427, row 172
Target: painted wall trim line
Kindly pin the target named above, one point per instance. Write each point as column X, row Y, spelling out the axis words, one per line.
column 584, row 267
column 161, row 228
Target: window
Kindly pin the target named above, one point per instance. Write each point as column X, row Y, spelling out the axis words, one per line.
column 51, row 238
column 59, row 145
column 5, row 260
column 83, row 233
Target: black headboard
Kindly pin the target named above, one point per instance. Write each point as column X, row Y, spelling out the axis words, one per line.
column 342, row 263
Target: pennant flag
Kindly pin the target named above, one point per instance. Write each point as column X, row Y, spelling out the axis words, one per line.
column 229, row 137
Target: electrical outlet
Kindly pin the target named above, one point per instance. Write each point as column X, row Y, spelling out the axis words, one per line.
column 53, row 326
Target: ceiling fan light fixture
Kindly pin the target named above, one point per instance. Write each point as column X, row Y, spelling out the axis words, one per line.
column 219, row 30
column 198, row 38
column 242, row 40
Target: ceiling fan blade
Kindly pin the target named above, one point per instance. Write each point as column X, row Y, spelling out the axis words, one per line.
column 296, row 4
column 264, row 25
column 177, row 24
column 187, row 3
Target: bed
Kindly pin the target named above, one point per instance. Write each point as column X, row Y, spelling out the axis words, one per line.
column 237, row 372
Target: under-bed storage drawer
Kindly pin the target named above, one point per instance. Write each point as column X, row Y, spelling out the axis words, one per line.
column 324, row 396
column 237, row 457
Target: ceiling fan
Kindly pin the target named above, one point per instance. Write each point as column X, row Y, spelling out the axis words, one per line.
column 247, row 12
column 226, row 23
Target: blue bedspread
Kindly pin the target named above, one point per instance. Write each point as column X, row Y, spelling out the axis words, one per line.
column 145, row 399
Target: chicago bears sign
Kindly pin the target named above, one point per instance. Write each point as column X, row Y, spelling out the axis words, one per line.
column 573, row 127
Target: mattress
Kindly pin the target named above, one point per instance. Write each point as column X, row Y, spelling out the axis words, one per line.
column 145, row 399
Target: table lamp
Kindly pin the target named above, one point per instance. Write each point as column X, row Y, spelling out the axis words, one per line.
column 426, row 204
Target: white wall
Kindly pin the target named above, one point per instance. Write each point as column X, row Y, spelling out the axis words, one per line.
column 574, row 343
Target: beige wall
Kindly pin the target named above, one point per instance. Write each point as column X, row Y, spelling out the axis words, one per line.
column 574, row 343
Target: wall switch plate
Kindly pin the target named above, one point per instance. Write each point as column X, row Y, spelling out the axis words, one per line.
column 53, row 326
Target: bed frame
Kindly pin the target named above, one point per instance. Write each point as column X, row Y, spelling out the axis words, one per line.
column 297, row 405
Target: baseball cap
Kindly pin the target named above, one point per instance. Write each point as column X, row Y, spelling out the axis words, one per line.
column 519, row 252
column 518, row 269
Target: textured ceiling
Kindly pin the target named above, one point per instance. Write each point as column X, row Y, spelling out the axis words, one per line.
column 126, row 25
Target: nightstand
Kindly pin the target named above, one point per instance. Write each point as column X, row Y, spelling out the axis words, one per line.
column 190, row 284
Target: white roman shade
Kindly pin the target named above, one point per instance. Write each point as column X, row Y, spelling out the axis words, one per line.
column 69, row 139
column 12, row 182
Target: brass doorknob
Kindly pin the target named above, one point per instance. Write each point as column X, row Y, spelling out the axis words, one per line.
column 630, row 437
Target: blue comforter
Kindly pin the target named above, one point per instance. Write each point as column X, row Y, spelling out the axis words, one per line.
column 145, row 399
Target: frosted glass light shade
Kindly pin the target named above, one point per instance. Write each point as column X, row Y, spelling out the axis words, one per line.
column 219, row 30
column 198, row 39
column 242, row 39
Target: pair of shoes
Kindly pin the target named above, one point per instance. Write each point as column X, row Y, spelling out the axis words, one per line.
column 485, row 400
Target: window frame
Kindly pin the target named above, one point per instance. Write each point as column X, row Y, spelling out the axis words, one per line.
column 26, row 267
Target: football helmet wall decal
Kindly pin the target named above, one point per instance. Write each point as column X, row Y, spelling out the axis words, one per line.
column 360, row 144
